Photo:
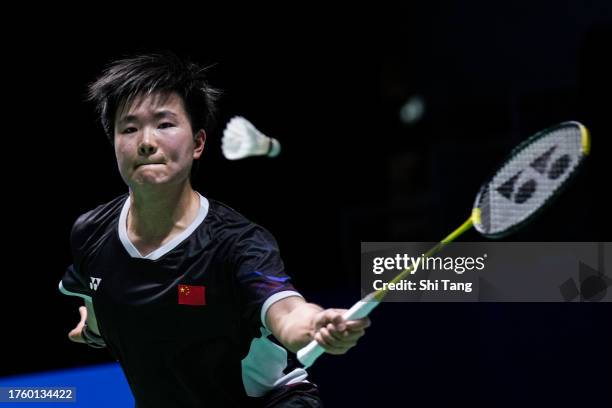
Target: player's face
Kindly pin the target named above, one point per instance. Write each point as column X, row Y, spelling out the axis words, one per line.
column 154, row 142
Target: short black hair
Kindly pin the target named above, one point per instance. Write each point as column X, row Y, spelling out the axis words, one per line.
column 125, row 79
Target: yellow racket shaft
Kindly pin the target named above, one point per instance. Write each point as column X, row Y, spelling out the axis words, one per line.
column 308, row 354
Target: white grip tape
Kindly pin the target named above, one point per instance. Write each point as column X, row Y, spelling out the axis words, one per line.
column 308, row 354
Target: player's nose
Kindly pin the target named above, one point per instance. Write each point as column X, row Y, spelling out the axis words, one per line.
column 147, row 145
column 146, row 149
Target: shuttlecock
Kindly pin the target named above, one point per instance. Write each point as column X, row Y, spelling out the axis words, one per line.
column 241, row 139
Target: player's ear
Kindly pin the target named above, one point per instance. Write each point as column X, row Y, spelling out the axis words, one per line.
column 199, row 139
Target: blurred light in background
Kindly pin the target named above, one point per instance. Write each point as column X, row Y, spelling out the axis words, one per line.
column 412, row 110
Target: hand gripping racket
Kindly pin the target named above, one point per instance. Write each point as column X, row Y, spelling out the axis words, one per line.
column 525, row 183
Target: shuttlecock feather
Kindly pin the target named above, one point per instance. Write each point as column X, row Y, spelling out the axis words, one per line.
column 241, row 139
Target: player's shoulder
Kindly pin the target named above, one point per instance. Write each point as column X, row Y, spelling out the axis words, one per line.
column 224, row 211
column 97, row 219
column 222, row 215
column 229, row 223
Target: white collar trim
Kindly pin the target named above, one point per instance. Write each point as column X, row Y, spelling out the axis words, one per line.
column 169, row 246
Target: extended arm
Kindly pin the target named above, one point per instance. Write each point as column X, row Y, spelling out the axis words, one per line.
column 294, row 322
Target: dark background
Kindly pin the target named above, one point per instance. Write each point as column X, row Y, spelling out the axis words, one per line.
column 329, row 83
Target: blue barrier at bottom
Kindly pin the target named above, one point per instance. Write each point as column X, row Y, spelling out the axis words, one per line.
column 95, row 386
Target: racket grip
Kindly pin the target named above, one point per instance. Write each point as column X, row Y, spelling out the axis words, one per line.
column 308, row 354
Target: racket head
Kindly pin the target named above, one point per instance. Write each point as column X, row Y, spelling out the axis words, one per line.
column 530, row 178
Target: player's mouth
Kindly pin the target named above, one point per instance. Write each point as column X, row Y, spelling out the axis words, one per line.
column 147, row 164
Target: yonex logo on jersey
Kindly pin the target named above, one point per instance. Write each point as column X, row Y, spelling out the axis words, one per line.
column 94, row 283
column 529, row 187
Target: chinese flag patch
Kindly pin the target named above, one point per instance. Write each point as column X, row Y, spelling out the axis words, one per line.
column 192, row 295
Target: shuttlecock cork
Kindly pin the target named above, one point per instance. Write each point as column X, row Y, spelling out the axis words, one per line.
column 241, row 140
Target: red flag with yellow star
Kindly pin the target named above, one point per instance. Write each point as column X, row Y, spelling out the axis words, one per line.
column 192, row 295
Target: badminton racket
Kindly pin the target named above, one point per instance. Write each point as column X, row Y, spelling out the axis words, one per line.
column 528, row 181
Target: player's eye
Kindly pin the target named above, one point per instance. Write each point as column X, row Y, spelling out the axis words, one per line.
column 165, row 125
column 130, row 129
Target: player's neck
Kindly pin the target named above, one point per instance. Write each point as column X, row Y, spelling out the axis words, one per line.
column 155, row 216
